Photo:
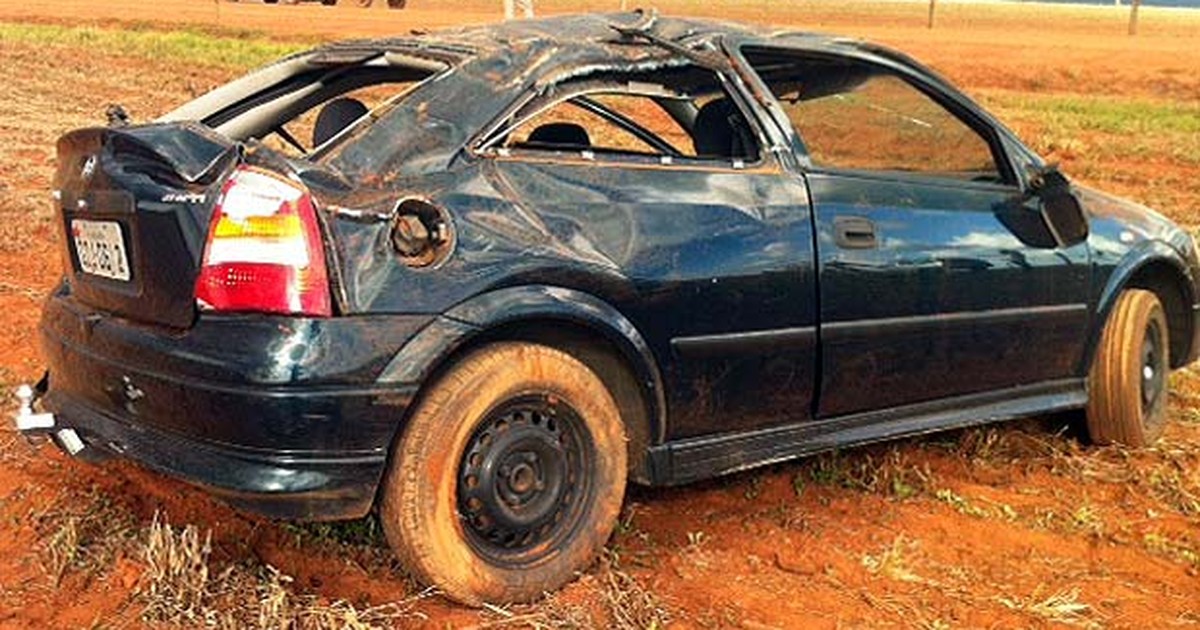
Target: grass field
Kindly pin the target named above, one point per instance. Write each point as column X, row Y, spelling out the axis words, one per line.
column 1015, row 526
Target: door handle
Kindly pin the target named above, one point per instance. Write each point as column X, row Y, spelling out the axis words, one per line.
column 854, row 233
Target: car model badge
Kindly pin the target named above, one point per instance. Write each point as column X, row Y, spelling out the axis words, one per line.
column 89, row 168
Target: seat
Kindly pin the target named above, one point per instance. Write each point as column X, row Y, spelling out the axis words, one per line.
column 560, row 134
column 335, row 117
column 720, row 131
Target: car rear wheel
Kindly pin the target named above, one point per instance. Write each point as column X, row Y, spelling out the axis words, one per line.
column 509, row 476
column 1127, row 397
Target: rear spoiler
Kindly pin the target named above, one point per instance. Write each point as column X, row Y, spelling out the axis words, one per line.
column 194, row 152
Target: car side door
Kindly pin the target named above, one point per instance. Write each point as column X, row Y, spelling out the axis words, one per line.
column 931, row 286
column 692, row 231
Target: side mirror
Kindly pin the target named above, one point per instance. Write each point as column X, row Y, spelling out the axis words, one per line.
column 1060, row 209
column 1047, row 214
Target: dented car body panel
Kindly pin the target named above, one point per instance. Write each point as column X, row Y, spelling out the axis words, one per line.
column 767, row 306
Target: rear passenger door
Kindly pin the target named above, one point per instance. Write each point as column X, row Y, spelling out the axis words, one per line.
column 928, row 287
column 707, row 241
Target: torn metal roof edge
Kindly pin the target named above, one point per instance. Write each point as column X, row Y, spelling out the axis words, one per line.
column 612, row 29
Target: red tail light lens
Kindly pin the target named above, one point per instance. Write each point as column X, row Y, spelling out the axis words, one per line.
column 264, row 252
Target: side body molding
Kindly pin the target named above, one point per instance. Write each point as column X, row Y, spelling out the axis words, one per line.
column 1142, row 255
column 457, row 326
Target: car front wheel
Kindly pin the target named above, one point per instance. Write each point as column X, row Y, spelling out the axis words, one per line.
column 509, row 476
column 1127, row 386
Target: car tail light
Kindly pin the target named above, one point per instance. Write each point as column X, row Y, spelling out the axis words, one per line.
column 264, row 250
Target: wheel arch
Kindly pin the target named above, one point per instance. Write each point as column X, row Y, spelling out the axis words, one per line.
column 574, row 321
column 1158, row 268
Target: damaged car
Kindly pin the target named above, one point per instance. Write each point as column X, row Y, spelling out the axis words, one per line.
column 479, row 280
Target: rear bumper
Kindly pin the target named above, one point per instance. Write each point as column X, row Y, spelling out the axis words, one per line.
column 279, row 416
column 309, row 487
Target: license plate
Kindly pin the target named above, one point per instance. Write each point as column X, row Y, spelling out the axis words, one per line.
column 100, row 249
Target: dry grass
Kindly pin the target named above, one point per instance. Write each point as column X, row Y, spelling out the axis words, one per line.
column 629, row 604
column 892, row 562
column 181, row 588
column 1061, row 607
column 1021, row 441
column 177, row 576
column 276, row 607
column 1176, row 482
column 82, row 533
column 619, row 601
column 893, row 470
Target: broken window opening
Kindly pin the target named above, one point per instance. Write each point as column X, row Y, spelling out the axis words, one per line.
column 305, row 113
column 325, row 122
column 856, row 116
column 684, row 113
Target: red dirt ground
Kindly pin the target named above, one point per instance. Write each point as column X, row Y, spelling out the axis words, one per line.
column 1014, row 527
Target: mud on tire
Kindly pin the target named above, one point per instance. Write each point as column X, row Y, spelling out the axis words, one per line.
column 1127, row 385
column 509, row 476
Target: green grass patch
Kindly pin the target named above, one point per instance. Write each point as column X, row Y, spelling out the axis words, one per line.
column 1102, row 126
column 1104, row 114
column 233, row 49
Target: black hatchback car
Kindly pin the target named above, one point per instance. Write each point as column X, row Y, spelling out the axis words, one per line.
column 479, row 279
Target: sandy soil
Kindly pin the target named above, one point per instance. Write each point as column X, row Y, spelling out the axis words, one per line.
column 1020, row 526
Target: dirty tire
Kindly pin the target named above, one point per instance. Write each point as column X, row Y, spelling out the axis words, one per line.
column 509, row 476
column 1127, row 386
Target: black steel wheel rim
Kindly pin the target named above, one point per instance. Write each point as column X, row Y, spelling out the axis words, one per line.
column 523, row 481
column 1152, row 367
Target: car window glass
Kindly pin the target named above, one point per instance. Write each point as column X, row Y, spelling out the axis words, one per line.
column 674, row 113
column 854, row 116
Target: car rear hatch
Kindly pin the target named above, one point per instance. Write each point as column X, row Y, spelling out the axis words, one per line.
column 136, row 205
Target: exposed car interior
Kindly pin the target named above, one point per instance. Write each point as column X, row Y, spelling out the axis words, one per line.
column 720, row 130
column 559, row 135
column 304, row 104
column 335, row 117
column 681, row 113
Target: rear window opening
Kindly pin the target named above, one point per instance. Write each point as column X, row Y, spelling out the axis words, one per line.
column 304, row 112
column 328, row 120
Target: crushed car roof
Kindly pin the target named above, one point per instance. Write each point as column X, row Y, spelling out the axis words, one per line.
column 594, row 30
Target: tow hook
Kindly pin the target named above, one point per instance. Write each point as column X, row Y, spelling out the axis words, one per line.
column 31, row 422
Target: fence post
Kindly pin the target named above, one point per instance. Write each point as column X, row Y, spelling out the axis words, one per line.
column 511, row 6
column 932, row 6
column 1133, row 16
